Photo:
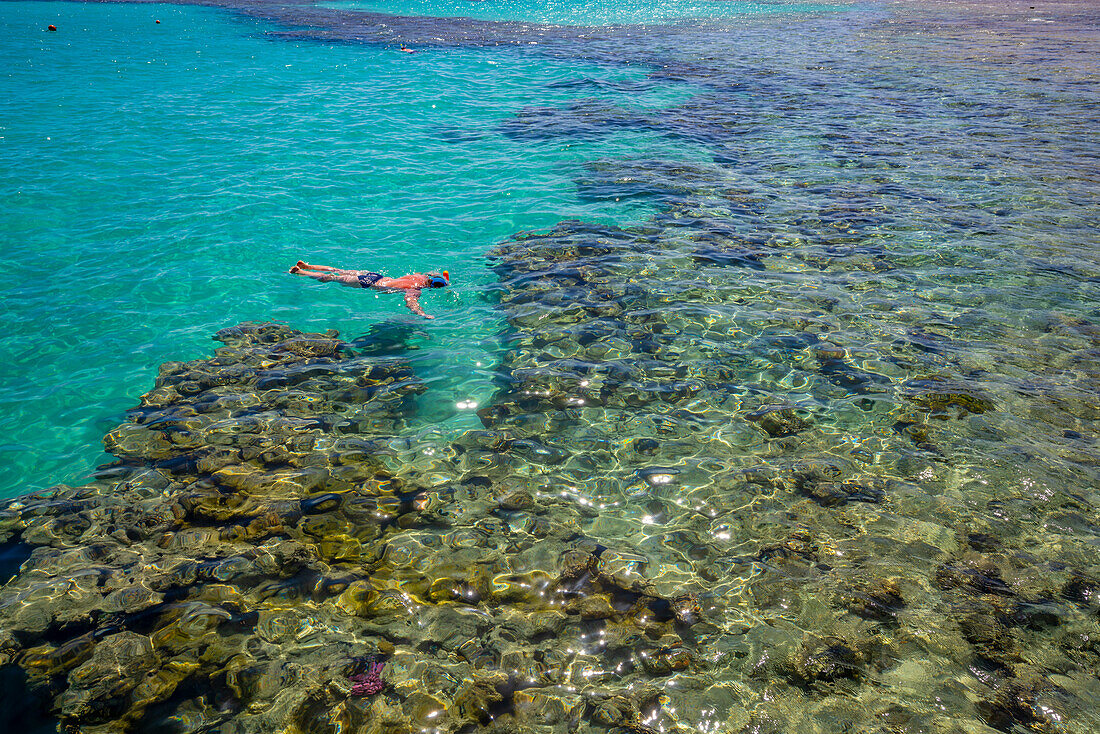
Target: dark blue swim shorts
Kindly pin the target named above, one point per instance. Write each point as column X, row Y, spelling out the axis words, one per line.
column 367, row 280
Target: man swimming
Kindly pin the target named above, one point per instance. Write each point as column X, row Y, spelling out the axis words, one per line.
column 412, row 284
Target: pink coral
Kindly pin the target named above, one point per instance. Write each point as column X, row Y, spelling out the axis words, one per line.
column 368, row 683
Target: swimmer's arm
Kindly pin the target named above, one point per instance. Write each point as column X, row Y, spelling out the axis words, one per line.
column 412, row 300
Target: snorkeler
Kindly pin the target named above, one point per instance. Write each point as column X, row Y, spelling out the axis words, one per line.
column 407, row 50
column 412, row 284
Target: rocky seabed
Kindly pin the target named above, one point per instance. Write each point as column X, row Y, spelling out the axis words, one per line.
column 773, row 461
column 697, row 505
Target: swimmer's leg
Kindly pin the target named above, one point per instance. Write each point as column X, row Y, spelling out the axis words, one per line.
column 327, row 277
column 322, row 268
column 327, row 269
column 323, row 277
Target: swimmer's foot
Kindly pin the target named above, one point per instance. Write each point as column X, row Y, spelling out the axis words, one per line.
column 302, row 265
column 296, row 269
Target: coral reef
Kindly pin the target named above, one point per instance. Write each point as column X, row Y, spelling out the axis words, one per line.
column 694, row 504
column 669, row 521
column 768, row 462
column 248, row 556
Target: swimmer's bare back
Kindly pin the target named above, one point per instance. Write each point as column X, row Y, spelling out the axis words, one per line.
column 410, row 284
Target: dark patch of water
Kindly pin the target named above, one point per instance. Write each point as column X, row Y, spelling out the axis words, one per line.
column 23, row 709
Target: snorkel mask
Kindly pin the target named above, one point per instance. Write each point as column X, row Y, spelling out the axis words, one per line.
column 437, row 281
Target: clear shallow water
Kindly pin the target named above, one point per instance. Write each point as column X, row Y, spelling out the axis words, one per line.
column 599, row 13
column 160, row 180
column 808, row 444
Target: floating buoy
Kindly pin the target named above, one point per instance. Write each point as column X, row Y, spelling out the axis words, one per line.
column 158, row 22
column 51, row 28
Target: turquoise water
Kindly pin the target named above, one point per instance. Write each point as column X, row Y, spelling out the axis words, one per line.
column 764, row 399
column 597, row 13
column 160, row 179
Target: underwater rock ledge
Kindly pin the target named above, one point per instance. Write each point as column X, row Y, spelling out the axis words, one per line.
column 695, row 504
column 666, row 378
column 248, row 565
